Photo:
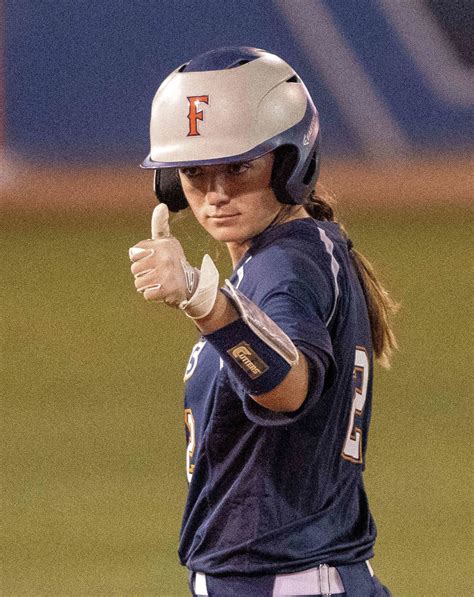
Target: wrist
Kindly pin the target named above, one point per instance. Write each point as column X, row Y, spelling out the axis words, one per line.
column 222, row 313
column 203, row 298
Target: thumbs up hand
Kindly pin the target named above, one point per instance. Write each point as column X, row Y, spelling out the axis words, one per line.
column 163, row 274
column 157, row 264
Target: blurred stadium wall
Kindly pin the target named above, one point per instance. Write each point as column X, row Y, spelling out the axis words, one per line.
column 392, row 80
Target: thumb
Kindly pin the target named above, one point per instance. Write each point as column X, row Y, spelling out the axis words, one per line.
column 159, row 222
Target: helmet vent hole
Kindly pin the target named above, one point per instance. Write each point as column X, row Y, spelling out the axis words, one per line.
column 240, row 63
column 182, row 67
column 293, row 79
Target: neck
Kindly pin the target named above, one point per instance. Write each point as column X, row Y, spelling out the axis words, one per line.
column 286, row 214
column 238, row 250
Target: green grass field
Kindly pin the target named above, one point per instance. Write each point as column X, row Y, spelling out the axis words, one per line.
column 92, row 462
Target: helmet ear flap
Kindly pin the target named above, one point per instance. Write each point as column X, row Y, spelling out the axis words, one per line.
column 286, row 160
column 283, row 166
column 168, row 189
column 312, row 171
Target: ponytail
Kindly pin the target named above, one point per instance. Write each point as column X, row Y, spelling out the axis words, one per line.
column 381, row 307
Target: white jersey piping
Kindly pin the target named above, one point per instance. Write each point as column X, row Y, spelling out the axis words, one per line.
column 329, row 246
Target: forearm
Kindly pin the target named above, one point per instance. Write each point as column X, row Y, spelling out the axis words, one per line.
column 221, row 315
column 290, row 394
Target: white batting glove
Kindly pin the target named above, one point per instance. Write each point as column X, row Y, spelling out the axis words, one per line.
column 163, row 274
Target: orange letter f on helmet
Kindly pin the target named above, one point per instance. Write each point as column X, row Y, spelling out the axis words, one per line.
column 195, row 114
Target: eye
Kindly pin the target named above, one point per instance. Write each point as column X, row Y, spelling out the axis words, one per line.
column 238, row 168
column 191, row 171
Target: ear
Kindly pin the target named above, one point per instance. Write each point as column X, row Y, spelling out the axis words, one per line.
column 168, row 189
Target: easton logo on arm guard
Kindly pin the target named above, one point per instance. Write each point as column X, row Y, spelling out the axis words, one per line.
column 195, row 113
column 248, row 360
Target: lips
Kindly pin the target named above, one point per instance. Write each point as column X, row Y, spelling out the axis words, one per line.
column 223, row 216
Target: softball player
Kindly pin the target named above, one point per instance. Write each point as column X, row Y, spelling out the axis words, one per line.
column 279, row 386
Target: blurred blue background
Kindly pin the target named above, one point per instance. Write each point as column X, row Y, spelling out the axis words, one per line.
column 389, row 78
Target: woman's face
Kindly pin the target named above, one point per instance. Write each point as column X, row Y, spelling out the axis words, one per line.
column 233, row 202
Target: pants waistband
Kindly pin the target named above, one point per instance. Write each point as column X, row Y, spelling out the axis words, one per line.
column 321, row 580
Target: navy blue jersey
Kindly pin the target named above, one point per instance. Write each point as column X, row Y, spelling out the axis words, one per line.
column 281, row 492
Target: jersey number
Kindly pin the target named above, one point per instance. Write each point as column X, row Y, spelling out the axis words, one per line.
column 353, row 445
column 189, row 421
column 193, row 359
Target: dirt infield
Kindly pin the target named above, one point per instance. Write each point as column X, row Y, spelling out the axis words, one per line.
column 93, row 190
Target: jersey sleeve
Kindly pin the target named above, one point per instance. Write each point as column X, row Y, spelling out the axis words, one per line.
column 299, row 297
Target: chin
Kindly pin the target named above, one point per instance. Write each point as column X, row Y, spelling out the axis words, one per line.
column 226, row 236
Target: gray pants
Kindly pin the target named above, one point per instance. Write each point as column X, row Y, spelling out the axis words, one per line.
column 355, row 580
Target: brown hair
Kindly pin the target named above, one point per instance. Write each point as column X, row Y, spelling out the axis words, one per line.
column 380, row 305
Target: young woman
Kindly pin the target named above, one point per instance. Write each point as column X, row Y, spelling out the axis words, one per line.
column 279, row 386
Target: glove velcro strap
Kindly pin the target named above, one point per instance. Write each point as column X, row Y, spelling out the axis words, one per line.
column 202, row 301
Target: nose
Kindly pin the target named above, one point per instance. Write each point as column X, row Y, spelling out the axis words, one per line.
column 217, row 192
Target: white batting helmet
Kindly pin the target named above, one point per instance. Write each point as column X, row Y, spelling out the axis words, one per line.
column 231, row 105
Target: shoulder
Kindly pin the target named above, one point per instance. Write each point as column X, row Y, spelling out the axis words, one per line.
column 299, row 237
column 302, row 258
column 297, row 249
